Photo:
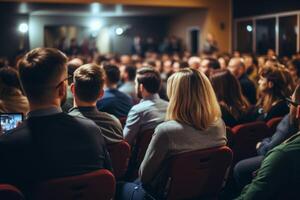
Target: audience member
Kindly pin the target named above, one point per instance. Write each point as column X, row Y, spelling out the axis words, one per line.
column 12, row 98
column 208, row 65
column 151, row 110
column 113, row 101
column 237, row 68
column 49, row 143
column 294, row 69
column 87, row 89
column 278, row 176
column 234, row 106
column 71, row 67
column 193, row 122
column 128, row 87
column 272, row 93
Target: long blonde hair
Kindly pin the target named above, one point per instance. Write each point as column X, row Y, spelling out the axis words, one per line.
column 192, row 99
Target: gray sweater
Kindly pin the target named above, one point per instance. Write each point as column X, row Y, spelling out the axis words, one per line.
column 172, row 138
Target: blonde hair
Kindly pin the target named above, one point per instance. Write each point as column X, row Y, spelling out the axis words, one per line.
column 192, row 99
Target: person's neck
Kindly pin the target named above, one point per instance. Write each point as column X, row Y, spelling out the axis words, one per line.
column 35, row 106
column 146, row 95
column 78, row 103
column 111, row 86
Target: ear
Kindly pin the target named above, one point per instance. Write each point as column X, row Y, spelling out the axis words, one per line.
column 101, row 93
column 270, row 84
column 141, row 87
column 62, row 90
column 72, row 87
column 298, row 112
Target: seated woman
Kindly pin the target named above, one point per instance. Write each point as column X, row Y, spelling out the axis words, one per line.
column 11, row 96
column 272, row 93
column 234, row 106
column 193, row 122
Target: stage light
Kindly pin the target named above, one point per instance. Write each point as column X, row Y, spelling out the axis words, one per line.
column 23, row 28
column 249, row 28
column 95, row 25
column 119, row 31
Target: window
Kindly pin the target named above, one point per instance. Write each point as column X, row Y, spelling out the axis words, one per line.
column 244, row 36
column 287, row 35
column 265, row 35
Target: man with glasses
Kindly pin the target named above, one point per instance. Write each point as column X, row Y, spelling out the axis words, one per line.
column 49, row 143
column 278, row 176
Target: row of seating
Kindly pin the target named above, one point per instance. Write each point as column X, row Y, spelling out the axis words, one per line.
column 203, row 176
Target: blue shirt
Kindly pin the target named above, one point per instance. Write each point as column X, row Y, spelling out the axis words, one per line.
column 115, row 102
column 146, row 115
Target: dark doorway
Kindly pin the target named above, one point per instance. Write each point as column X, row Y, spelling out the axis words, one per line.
column 194, row 40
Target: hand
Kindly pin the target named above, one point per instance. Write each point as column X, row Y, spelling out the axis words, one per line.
column 258, row 145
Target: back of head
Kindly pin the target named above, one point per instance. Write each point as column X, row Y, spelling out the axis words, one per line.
column 9, row 81
column 88, row 81
column 131, row 72
column 150, row 78
column 228, row 90
column 41, row 70
column 112, row 73
column 72, row 65
column 236, row 66
column 192, row 99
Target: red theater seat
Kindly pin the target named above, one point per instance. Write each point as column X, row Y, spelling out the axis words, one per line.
column 97, row 185
column 9, row 192
column 198, row 174
column 245, row 137
column 120, row 154
column 139, row 150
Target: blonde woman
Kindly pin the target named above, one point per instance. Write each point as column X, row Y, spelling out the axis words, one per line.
column 193, row 122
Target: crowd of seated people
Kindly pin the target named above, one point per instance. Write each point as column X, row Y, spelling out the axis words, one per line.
column 74, row 109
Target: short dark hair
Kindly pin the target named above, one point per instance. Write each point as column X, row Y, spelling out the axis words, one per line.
column 9, row 78
column 150, row 78
column 40, row 70
column 88, row 81
column 131, row 71
column 112, row 73
column 213, row 63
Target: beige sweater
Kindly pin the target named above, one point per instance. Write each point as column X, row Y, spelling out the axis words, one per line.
column 171, row 138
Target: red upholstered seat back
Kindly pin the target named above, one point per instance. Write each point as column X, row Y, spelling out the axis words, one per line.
column 10, row 192
column 120, row 155
column 198, row 174
column 245, row 138
column 97, row 185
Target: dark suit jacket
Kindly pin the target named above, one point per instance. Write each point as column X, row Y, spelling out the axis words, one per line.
column 51, row 146
column 248, row 89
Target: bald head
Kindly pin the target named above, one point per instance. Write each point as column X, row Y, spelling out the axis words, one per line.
column 236, row 67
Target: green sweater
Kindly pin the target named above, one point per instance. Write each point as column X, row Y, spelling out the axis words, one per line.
column 279, row 174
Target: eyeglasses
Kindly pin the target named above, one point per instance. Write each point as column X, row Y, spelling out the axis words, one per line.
column 291, row 102
column 69, row 76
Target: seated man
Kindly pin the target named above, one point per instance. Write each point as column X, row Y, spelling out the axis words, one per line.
column 278, row 176
column 237, row 67
column 49, row 143
column 113, row 101
column 151, row 110
column 87, row 89
column 128, row 87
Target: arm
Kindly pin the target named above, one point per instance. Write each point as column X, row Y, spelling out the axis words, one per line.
column 271, row 176
column 283, row 131
column 155, row 155
column 132, row 126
